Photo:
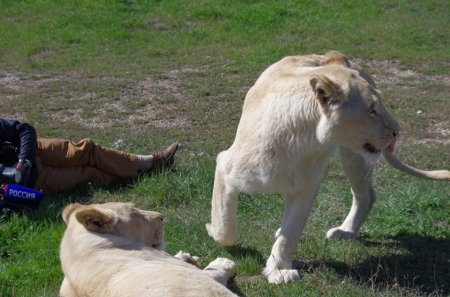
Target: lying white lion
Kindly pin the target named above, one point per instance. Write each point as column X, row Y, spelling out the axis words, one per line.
column 115, row 250
column 295, row 116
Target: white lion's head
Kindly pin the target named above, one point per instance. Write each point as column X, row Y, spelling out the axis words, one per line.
column 119, row 219
column 352, row 114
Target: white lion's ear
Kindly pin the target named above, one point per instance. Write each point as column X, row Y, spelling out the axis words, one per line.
column 327, row 92
column 69, row 210
column 335, row 57
column 95, row 220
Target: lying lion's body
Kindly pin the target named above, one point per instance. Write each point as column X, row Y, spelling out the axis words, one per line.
column 295, row 116
column 122, row 257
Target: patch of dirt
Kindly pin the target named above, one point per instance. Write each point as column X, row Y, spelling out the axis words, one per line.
column 16, row 81
column 440, row 132
column 390, row 73
column 156, row 98
column 160, row 101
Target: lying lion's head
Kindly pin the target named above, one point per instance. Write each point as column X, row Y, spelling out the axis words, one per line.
column 352, row 113
column 120, row 219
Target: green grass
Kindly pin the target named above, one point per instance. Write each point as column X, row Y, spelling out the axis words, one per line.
column 123, row 37
column 154, row 72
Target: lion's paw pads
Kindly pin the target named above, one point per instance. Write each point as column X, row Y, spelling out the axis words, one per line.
column 279, row 276
column 339, row 233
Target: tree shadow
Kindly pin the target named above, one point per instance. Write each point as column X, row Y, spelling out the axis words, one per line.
column 423, row 269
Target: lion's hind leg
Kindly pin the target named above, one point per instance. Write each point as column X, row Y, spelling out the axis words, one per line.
column 223, row 226
column 221, row 270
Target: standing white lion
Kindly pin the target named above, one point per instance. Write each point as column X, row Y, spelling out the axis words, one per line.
column 300, row 110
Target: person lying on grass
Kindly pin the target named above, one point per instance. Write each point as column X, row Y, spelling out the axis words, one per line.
column 54, row 165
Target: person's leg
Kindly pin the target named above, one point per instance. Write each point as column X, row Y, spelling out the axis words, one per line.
column 85, row 153
column 56, row 179
column 65, row 153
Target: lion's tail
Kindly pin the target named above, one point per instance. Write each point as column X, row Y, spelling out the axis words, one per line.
column 433, row 174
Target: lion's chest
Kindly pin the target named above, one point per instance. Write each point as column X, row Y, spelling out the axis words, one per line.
column 280, row 168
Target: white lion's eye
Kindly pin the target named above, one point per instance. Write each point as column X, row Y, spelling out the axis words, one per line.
column 373, row 112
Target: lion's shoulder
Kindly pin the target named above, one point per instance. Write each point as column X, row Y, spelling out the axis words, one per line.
column 293, row 74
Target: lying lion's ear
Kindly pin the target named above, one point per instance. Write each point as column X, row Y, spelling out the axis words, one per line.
column 95, row 220
column 69, row 210
column 327, row 92
column 335, row 57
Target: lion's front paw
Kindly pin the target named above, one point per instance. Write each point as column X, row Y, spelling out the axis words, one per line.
column 339, row 233
column 186, row 257
column 222, row 264
column 279, row 276
column 221, row 269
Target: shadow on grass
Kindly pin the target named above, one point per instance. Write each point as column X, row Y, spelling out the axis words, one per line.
column 239, row 252
column 233, row 286
column 53, row 204
column 424, row 269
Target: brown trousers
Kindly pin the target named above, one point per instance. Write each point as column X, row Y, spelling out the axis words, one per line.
column 63, row 164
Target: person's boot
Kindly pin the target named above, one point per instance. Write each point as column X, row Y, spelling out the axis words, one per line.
column 164, row 159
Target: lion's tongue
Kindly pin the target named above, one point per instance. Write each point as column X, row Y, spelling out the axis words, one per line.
column 391, row 147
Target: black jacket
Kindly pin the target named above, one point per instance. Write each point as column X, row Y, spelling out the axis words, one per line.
column 18, row 141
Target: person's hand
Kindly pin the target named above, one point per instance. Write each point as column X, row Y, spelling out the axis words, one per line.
column 24, row 167
column 21, row 167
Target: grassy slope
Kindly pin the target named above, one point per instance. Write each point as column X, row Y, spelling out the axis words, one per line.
column 200, row 58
